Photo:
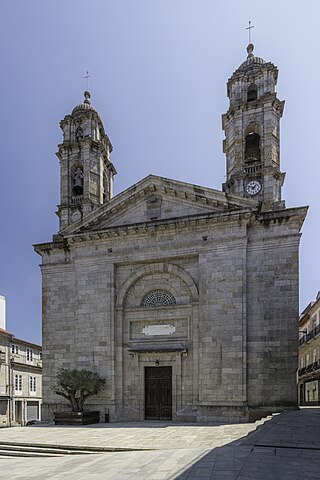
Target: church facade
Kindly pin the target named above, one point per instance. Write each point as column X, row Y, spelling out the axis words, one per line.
column 184, row 298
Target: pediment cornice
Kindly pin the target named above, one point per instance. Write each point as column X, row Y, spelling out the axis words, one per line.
column 219, row 202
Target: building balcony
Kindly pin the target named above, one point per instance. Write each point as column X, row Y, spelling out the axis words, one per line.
column 22, row 360
column 312, row 367
column 76, row 200
column 252, row 169
column 307, row 337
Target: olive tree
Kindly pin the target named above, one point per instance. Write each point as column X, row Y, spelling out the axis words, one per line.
column 78, row 385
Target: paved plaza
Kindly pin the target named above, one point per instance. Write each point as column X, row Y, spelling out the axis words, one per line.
column 287, row 446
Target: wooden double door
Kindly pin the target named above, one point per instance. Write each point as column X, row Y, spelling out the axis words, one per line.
column 158, row 393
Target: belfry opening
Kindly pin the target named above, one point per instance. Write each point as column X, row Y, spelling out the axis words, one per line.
column 252, row 148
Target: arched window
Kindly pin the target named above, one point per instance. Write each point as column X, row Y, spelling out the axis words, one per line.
column 79, row 134
column 252, row 93
column 77, row 181
column 158, row 298
column 252, row 150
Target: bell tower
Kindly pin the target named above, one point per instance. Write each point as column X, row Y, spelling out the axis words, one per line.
column 252, row 133
column 86, row 171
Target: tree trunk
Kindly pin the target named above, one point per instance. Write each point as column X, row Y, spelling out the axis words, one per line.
column 74, row 403
column 83, row 398
column 71, row 398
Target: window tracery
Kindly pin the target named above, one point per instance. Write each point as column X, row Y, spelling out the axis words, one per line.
column 158, row 298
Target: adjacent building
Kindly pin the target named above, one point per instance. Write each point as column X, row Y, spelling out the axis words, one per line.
column 184, row 298
column 20, row 379
column 309, row 354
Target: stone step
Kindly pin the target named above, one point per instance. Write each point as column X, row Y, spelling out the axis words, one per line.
column 19, row 453
column 41, row 450
column 75, row 448
column 17, row 449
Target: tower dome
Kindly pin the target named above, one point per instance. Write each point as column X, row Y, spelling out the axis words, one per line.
column 252, row 61
column 85, row 107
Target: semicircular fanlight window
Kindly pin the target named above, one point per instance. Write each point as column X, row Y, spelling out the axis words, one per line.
column 158, row 298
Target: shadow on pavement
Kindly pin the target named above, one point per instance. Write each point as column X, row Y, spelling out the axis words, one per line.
column 287, row 447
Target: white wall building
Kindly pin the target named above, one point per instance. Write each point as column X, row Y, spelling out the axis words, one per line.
column 20, row 378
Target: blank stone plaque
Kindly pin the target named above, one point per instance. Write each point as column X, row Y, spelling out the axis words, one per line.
column 158, row 330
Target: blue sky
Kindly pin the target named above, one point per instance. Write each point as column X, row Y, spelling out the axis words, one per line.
column 158, row 78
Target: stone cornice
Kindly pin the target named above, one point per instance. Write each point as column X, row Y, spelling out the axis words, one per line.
column 278, row 216
column 26, row 366
column 63, row 242
column 166, row 225
column 173, row 224
column 88, row 140
column 270, row 99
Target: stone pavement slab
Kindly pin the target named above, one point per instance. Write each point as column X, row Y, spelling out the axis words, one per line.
column 142, row 435
column 151, row 465
column 285, row 447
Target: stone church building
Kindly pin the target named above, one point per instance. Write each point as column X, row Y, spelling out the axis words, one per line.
column 184, row 298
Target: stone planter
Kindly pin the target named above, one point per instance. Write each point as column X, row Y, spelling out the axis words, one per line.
column 76, row 418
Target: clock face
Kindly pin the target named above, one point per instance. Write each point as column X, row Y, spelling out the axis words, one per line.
column 253, row 187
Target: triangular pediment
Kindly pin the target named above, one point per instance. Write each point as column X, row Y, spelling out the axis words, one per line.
column 157, row 198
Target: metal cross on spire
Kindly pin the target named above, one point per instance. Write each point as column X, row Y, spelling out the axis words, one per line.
column 249, row 28
column 87, row 76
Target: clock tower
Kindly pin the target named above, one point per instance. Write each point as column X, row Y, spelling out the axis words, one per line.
column 252, row 131
column 86, row 171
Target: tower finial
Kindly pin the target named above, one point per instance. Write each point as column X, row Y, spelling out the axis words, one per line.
column 249, row 28
column 87, row 97
column 250, row 48
column 87, row 93
column 87, row 76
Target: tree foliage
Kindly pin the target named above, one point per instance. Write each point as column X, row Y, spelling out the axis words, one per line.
column 78, row 385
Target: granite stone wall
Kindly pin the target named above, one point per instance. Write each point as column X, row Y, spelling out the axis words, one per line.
column 235, row 281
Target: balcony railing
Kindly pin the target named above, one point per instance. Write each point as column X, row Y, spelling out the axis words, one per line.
column 76, row 200
column 312, row 367
column 310, row 335
column 22, row 360
column 252, row 169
